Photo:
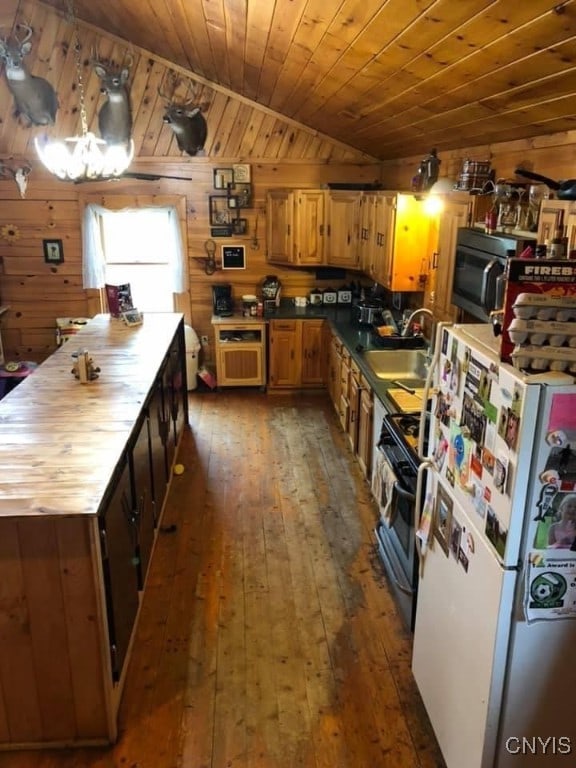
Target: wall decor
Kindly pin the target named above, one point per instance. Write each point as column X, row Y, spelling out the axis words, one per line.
column 242, row 173
column 220, row 231
column 53, row 251
column 223, row 178
column 233, row 257
column 240, row 226
column 219, row 211
column 233, row 201
column 244, row 194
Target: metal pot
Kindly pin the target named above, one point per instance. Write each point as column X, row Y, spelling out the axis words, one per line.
column 368, row 311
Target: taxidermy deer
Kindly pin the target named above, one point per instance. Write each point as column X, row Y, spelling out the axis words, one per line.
column 188, row 124
column 115, row 116
column 35, row 98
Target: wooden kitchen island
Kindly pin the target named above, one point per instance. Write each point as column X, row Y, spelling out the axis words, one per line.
column 84, row 472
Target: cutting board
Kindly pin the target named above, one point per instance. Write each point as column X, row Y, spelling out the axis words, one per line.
column 406, row 401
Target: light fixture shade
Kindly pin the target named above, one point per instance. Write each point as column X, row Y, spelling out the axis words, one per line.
column 442, row 186
column 84, row 157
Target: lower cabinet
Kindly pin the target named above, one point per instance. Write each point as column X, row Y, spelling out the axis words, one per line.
column 295, row 356
column 240, row 353
column 365, row 421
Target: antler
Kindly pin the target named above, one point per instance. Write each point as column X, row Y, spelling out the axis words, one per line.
column 28, row 34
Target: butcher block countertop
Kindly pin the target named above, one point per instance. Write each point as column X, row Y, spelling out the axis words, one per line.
column 60, row 440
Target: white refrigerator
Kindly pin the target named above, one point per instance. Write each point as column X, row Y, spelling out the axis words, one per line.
column 494, row 652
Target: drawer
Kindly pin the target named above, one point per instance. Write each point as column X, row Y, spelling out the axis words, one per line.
column 283, row 325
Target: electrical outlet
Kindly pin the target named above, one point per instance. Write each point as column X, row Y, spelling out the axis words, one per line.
column 203, row 340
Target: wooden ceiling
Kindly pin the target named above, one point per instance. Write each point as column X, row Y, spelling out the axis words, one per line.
column 391, row 78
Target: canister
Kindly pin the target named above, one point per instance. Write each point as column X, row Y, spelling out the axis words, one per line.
column 249, row 305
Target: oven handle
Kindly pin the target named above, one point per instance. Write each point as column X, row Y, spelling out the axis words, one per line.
column 426, row 464
column 488, row 269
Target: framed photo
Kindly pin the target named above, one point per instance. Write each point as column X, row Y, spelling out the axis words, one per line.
column 223, row 178
column 443, row 519
column 233, row 257
column 240, row 226
column 242, row 174
column 219, row 211
column 233, row 202
column 244, row 194
column 53, row 251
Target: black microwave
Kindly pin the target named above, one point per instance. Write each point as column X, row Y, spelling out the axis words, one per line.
column 478, row 283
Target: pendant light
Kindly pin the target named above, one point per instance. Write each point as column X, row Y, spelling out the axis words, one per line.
column 86, row 156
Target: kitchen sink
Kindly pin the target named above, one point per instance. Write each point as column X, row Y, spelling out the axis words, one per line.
column 398, row 363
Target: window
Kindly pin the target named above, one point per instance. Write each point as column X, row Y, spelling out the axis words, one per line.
column 140, row 246
column 136, row 247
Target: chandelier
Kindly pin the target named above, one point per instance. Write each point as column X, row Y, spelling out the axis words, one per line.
column 83, row 157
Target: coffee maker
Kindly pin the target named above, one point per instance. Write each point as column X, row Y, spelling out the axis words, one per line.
column 222, row 303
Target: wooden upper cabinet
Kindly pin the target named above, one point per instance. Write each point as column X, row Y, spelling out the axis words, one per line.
column 456, row 212
column 343, row 221
column 280, row 226
column 309, row 226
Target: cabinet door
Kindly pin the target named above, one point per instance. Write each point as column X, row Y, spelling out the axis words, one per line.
column 367, row 233
column 284, row 354
column 280, row 226
column 415, row 236
column 312, row 364
column 383, row 239
column 142, row 501
column 354, row 417
column 364, row 450
column 159, row 429
column 168, row 405
column 344, row 403
column 343, row 222
column 117, row 533
column 438, row 297
column 309, row 226
column 334, row 385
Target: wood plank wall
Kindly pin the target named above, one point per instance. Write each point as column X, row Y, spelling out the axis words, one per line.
column 280, row 152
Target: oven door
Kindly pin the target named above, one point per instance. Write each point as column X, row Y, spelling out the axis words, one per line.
column 395, row 534
column 477, row 281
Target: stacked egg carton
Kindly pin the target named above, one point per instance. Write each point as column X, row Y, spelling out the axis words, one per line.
column 543, row 331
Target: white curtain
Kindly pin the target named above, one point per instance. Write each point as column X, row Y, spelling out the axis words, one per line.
column 93, row 258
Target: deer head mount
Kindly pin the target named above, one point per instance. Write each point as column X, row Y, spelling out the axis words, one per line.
column 17, row 171
column 187, row 122
column 115, row 115
column 35, row 99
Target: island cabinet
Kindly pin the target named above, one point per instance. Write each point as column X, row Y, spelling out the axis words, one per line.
column 84, row 473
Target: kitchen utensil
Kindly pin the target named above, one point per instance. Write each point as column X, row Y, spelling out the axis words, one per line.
column 565, row 190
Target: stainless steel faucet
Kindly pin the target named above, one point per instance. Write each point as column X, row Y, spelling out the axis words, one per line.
column 406, row 329
column 408, row 323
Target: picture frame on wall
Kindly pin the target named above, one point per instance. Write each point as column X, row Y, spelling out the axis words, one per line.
column 53, row 251
column 233, row 257
column 240, row 226
column 223, row 178
column 220, row 214
column 241, row 173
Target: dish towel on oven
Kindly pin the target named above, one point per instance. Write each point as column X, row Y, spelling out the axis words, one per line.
column 386, row 492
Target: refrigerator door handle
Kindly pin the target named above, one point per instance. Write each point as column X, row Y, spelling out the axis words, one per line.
column 425, row 464
column 428, row 391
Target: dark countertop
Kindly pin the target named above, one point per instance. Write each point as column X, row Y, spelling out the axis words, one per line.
column 357, row 339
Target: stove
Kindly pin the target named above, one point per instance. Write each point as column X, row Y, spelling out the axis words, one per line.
column 406, row 429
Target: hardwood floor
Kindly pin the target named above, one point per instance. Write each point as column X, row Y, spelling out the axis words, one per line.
column 267, row 635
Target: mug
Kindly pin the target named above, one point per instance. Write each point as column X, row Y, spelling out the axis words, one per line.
column 300, row 301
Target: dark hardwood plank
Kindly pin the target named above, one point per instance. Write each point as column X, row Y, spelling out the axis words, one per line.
column 267, row 636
